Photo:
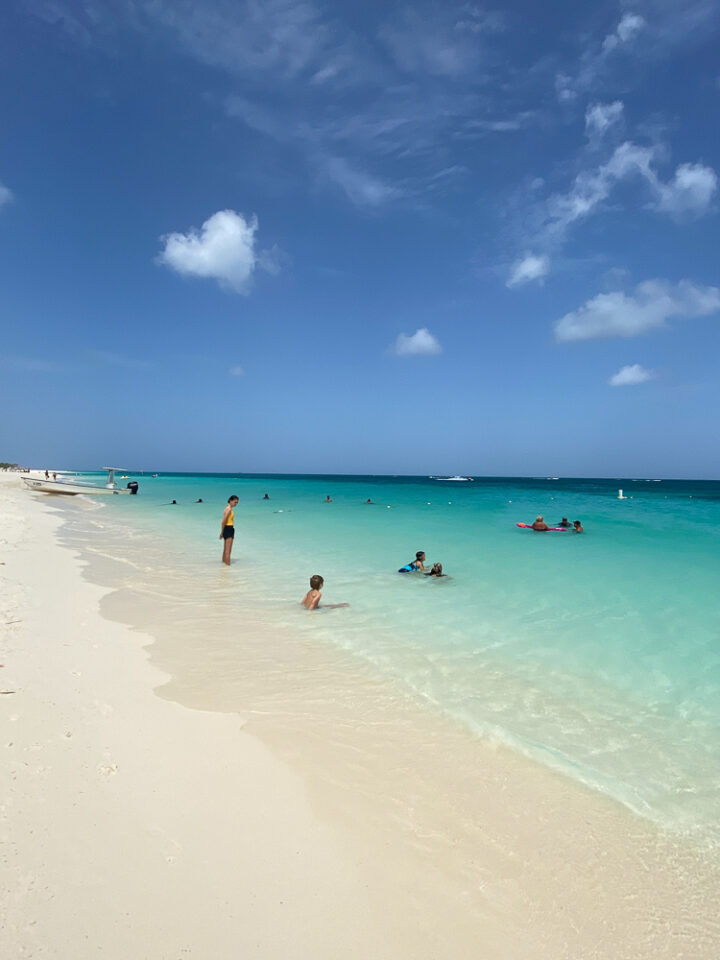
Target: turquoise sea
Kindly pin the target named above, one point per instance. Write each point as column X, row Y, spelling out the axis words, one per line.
column 595, row 654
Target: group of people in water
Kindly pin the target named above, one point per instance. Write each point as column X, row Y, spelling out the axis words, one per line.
column 564, row 524
column 311, row 600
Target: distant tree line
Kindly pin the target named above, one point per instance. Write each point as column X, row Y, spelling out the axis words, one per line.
column 8, row 466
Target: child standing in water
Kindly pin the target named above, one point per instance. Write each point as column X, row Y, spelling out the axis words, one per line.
column 227, row 529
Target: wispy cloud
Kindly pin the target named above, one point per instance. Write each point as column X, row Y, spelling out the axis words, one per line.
column 113, row 359
column 647, row 31
column 30, row 364
column 440, row 40
column 421, row 343
column 600, row 117
column 360, row 187
column 653, row 303
column 688, row 193
column 237, row 371
column 6, row 195
column 223, row 250
column 631, row 375
column 531, row 267
column 596, row 57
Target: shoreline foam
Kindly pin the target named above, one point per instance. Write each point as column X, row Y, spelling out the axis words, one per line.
column 456, row 848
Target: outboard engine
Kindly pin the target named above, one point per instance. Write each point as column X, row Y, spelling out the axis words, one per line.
column 133, row 486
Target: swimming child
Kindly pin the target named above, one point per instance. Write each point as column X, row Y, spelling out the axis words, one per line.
column 311, row 600
column 414, row 565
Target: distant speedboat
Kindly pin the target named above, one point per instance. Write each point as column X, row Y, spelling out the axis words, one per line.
column 454, row 479
column 72, row 488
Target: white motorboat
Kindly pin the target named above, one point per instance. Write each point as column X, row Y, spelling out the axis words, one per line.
column 454, row 479
column 72, row 488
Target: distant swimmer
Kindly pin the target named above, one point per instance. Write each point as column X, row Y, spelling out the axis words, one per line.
column 577, row 527
column 564, row 522
column 170, row 504
column 368, row 500
column 266, row 497
column 435, row 571
column 311, row 600
column 328, row 499
column 199, row 500
column 227, row 529
column 414, row 565
column 540, row 524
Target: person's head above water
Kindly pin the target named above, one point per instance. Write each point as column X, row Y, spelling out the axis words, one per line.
column 316, row 581
column 576, row 524
column 539, row 519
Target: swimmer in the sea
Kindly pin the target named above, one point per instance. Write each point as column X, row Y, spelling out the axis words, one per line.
column 418, row 564
column 540, row 523
column 328, row 499
column 311, row 600
column 564, row 523
column 577, row 527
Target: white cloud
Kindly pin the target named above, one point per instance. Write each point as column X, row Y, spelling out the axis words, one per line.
column 631, row 375
column 653, row 303
column 531, row 267
column 6, row 195
column 237, row 371
column 595, row 59
column 599, row 117
column 421, row 343
column 630, row 25
column 223, row 249
column 690, row 191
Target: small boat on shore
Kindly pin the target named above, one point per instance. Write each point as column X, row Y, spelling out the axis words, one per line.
column 72, row 488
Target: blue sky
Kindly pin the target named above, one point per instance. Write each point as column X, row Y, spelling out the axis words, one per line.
column 361, row 237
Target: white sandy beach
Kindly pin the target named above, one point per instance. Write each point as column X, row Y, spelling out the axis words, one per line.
column 134, row 826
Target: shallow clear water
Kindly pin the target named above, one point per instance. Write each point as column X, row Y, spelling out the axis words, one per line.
column 596, row 654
